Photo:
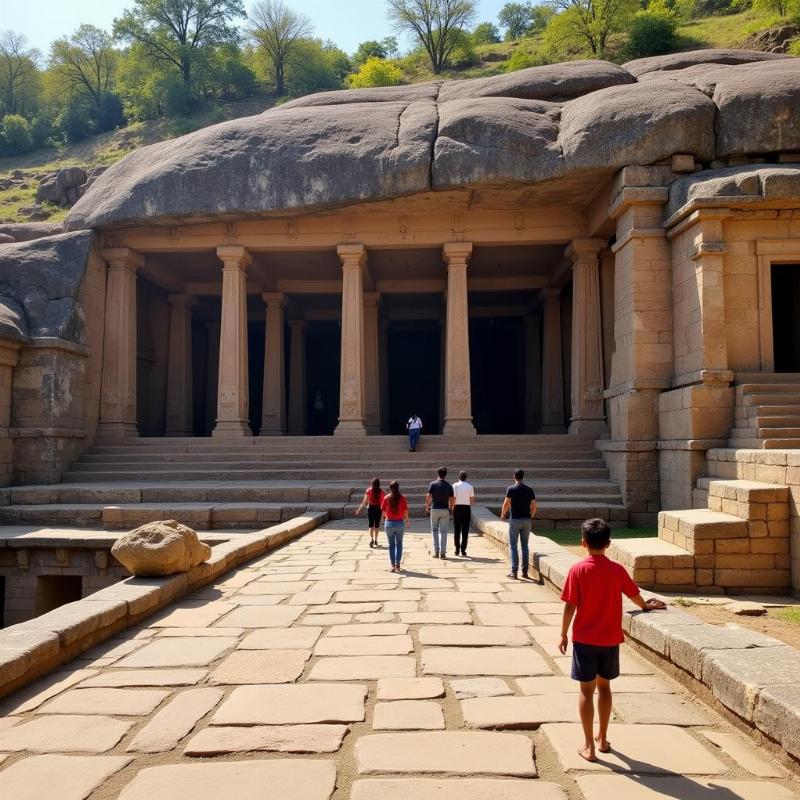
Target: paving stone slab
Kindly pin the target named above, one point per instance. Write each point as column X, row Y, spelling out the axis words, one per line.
column 350, row 668
column 312, row 597
column 281, row 639
column 323, row 620
column 487, row 587
column 408, row 715
column 262, row 616
column 441, row 601
column 639, row 749
column 295, row 779
column 409, row 688
column 364, row 646
column 375, row 617
column 194, row 633
column 664, row 709
column 79, row 733
column 370, row 596
column 629, row 684
column 258, row 599
column 145, row 677
column 75, row 776
column 483, row 661
column 456, row 752
column 218, row 740
column 480, row 687
column 292, row 704
column 501, row 614
column 33, row 696
column 544, row 608
column 195, row 615
column 472, row 636
column 601, row 787
column 175, row 720
column 115, row 702
column 432, row 583
column 352, row 608
column 744, row 755
column 261, row 666
column 179, row 653
column 370, row 629
column 437, row 618
column 454, row 789
column 275, row 587
column 518, row 712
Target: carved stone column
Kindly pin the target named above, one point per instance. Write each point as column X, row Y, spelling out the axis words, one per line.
column 587, row 384
column 351, row 391
column 552, row 369
column 297, row 377
column 180, row 420
column 458, row 396
column 273, row 415
column 372, row 375
column 233, row 402
column 118, row 393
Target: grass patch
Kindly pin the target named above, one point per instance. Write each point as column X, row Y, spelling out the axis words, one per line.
column 722, row 31
column 790, row 614
column 573, row 537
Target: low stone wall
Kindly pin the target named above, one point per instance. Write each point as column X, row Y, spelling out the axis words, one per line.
column 33, row 648
column 752, row 677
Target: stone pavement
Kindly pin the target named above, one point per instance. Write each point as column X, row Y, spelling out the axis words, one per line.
column 314, row 673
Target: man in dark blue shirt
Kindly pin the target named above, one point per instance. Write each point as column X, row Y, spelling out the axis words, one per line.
column 439, row 504
column 520, row 501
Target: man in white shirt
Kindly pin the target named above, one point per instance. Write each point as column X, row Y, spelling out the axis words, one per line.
column 462, row 512
column 414, row 426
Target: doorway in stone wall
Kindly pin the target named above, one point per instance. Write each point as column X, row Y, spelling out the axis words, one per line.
column 786, row 317
column 323, row 354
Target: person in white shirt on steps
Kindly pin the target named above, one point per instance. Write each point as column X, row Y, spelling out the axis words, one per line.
column 462, row 512
column 414, row 427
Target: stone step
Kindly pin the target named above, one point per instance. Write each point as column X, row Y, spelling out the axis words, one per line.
column 655, row 563
column 765, row 433
column 759, row 409
column 741, row 442
column 766, row 387
column 693, row 529
column 761, row 420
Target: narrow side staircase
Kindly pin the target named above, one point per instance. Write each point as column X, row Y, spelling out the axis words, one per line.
column 767, row 412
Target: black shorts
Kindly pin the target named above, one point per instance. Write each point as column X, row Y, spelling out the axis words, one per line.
column 374, row 516
column 589, row 661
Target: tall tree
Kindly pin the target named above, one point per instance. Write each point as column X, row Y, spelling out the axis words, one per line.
column 437, row 24
column 85, row 61
column 18, row 69
column 277, row 29
column 369, row 49
column 590, row 23
column 515, row 18
column 391, row 46
column 173, row 31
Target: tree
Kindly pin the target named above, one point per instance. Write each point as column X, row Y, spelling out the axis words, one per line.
column 15, row 135
column 540, row 16
column 780, row 8
column 515, row 18
column 436, row 23
column 315, row 66
column 486, row 33
column 85, row 61
column 277, row 28
column 173, row 32
column 369, row 49
column 391, row 47
column 375, row 72
column 651, row 33
column 18, row 70
column 586, row 25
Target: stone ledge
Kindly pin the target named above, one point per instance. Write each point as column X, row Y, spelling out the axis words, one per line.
column 31, row 649
column 752, row 676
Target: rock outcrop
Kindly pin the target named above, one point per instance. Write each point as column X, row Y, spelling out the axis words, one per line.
column 28, row 231
column 160, row 548
column 564, row 124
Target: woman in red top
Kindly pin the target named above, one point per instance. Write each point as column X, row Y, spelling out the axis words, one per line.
column 373, row 498
column 395, row 510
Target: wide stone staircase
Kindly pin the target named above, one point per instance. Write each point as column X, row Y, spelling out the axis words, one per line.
column 767, row 411
column 218, row 483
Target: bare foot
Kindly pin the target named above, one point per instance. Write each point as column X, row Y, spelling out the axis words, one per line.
column 587, row 753
column 603, row 745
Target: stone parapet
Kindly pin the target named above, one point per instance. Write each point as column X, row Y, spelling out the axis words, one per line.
column 34, row 648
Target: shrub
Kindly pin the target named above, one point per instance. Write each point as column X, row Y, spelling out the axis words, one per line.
column 521, row 60
column 650, row 34
column 15, row 135
column 75, row 122
column 375, row 72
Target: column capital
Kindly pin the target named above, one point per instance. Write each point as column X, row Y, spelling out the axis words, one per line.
column 234, row 256
column 122, row 258
column 182, row 299
column 457, row 254
column 578, row 249
column 274, row 298
column 352, row 255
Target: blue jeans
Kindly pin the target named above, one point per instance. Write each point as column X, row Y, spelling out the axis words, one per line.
column 394, row 533
column 518, row 529
column 440, row 517
column 413, row 437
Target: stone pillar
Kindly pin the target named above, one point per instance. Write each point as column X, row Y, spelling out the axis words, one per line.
column 458, row 393
column 297, row 377
column 533, row 373
column 351, row 391
column 180, row 391
column 118, row 393
column 552, row 368
column 372, row 373
column 588, row 413
column 233, row 402
column 273, row 415
column 9, row 357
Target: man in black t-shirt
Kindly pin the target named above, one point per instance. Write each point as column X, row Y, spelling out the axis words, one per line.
column 520, row 501
column 439, row 504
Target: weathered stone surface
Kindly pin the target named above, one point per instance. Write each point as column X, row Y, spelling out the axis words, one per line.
column 746, row 756
column 281, row 639
column 262, row 616
column 116, row 702
column 75, row 777
column 370, row 629
column 625, row 683
column 453, row 789
column 192, row 615
column 160, row 548
column 217, row 740
column 472, row 636
column 665, row 709
column 261, row 666
column 778, row 711
column 295, row 779
column 178, row 653
column 518, row 712
column 28, row 231
column 457, row 752
column 501, row 614
column 480, row 687
column 408, row 715
column 745, row 608
column 370, row 668
column 601, row 787
column 33, row 697
column 364, row 646
column 64, row 734
column 175, row 720
column 409, row 688
column 292, row 704
column 674, row 61
column 483, row 661
column 145, row 677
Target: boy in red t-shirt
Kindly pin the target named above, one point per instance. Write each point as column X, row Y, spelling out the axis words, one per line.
column 594, row 589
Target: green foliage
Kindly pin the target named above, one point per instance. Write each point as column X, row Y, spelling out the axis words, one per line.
column 522, row 60
column 391, row 46
column 794, row 48
column 369, row 49
column 15, row 135
column 515, row 18
column 463, row 55
column 225, row 73
column 142, row 85
column 375, row 72
column 315, row 66
column 779, row 8
column 540, row 16
column 19, row 75
column 485, row 33
column 74, row 123
column 651, row 33
column 583, row 27
column 85, row 62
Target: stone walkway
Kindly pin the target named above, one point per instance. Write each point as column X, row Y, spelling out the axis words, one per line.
column 314, row 673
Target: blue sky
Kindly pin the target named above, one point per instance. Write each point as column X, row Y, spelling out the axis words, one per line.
column 347, row 23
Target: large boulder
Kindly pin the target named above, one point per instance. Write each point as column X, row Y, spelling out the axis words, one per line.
column 160, row 548
column 671, row 61
column 28, row 231
column 63, row 187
